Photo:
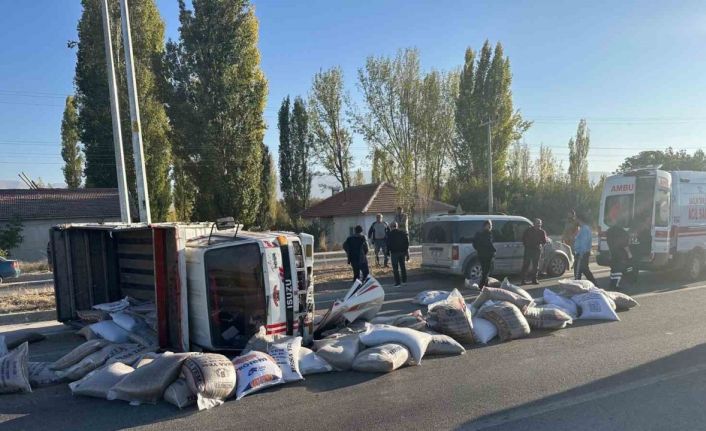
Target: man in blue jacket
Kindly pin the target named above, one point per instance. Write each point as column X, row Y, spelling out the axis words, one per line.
column 583, row 243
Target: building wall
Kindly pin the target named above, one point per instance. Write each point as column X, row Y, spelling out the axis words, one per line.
column 35, row 235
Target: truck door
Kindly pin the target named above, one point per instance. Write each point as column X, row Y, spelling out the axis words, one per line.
column 662, row 218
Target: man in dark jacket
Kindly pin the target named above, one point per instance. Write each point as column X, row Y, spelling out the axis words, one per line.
column 356, row 248
column 620, row 254
column 398, row 246
column 533, row 239
column 483, row 243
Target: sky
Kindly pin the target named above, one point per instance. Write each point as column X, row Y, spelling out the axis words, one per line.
column 634, row 69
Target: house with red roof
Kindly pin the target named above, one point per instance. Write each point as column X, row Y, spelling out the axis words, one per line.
column 358, row 205
column 40, row 209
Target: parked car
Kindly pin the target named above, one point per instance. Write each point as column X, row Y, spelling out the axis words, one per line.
column 447, row 247
column 8, row 269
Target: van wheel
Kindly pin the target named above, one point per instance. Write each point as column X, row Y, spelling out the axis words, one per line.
column 694, row 266
column 474, row 271
column 557, row 266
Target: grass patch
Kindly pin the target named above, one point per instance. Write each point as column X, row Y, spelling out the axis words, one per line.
column 38, row 266
column 39, row 300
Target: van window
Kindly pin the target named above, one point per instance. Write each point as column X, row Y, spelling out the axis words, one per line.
column 438, row 232
column 662, row 208
column 502, row 231
column 467, row 230
column 236, row 295
column 618, row 210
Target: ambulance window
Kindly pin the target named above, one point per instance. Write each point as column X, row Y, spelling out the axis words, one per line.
column 662, row 208
column 236, row 295
column 618, row 210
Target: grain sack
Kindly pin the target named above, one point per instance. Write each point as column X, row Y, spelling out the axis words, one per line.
column 570, row 287
column 94, row 360
column 112, row 307
column 381, row 359
column 415, row 341
column 430, row 296
column 98, row 382
column 339, row 351
column 497, row 294
column 109, row 330
column 14, row 340
column 493, row 282
column 13, row 371
column 144, row 336
column 92, row 316
column 286, row 353
column 311, row 363
column 595, row 306
column 179, row 394
column 256, row 371
column 128, row 321
column 508, row 319
column 483, row 329
column 441, row 344
column 622, row 301
column 564, row 303
column 87, row 334
column 41, row 374
column 515, row 289
column 211, row 377
column 452, row 317
column 3, row 346
column 129, row 354
column 146, row 384
column 78, row 353
column 547, row 317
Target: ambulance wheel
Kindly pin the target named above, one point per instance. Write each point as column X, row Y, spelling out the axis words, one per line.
column 694, row 266
column 474, row 271
column 557, row 266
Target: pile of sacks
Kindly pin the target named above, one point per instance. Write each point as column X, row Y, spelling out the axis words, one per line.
column 125, row 321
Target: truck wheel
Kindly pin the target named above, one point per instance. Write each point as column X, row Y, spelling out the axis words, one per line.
column 694, row 266
column 474, row 271
column 557, row 265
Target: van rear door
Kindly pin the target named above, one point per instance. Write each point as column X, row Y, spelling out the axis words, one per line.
column 438, row 237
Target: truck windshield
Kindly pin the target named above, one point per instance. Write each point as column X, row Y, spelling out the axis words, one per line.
column 618, row 210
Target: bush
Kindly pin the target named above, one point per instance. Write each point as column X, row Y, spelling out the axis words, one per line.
column 11, row 236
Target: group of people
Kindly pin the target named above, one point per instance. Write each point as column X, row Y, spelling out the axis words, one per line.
column 392, row 240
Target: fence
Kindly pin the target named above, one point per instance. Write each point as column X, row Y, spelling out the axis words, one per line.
column 332, row 260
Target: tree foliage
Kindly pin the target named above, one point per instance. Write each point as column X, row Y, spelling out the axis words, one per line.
column 382, row 167
column 10, row 236
column 70, row 151
column 331, row 139
column 485, row 95
column 216, row 104
column 578, row 155
column 93, row 101
column 294, row 148
column 669, row 160
column 519, row 162
column 268, row 189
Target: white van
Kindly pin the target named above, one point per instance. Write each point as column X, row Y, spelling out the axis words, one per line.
column 665, row 215
column 446, row 246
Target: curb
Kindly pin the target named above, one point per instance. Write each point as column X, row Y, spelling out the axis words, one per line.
column 27, row 317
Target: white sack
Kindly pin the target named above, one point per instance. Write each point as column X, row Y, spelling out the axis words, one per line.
column 311, row 363
column 286, row 353
column 41, row 374
column 112, row 307
column 452, row 317
column 570, row 287
column 98, row 382
column 381, row 359
column 498, row 294
column 93, row 361
column 595, row 306
column 179, row 394
column 515, row 289
column 338, row 350
column 256, row 371
column 622, row 301
column 564, row 303
column 109, row 330
column 78, row 353
column 508, row 319
column 547, row 317
column 127, row 321
column 415, row 341
column 483, row 330
column 13, row 371
column 430, row 296
column 444, row 345
column 3, row 346
column 211, row 377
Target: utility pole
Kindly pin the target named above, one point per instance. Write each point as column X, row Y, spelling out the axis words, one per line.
column 143, row 199
column 489, row 123
column 115, row 114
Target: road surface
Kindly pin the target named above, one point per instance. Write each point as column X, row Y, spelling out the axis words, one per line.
column 646, row 372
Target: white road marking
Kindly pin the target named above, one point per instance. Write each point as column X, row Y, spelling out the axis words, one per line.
column 524, row 413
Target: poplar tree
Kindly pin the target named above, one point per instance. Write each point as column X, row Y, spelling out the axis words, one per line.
column 268, row 182
column 301, row 174
column 216, row 105
column 578, row 155
column 70, row 152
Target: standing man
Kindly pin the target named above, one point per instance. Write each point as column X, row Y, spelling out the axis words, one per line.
column 583, row 243
column 398, row 246
column 533, row 239
column 483, row 243
column 620, row 254
column 401, row 219
column 378, row 236
column 356, row 248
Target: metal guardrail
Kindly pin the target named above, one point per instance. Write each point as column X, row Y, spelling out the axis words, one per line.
column 336, row 259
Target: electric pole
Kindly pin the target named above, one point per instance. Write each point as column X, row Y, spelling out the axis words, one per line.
column 143, row 202
column 115, row 115
column 489, row 123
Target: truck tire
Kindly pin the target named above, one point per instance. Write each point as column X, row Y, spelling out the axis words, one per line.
column 694, row 266
column 473, row 271
column 557, row 265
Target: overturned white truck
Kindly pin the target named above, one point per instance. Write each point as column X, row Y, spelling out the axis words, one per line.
column 212, row 290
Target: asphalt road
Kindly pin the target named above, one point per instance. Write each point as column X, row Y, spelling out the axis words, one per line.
column 646, row 372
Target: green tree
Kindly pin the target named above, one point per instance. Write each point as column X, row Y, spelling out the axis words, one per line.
column 10, row 236
column 485, row 94
column 519, row 163
column 547, row 167
column 95, row 123
column 669, row 160
column 331, row 139
column 184, row 192
column 286, row 155
column 70, row 152
column 295, row 181
column 358, row 178
column 382, row 168
column 268, row 189
column 216, row 105
column 578, row 155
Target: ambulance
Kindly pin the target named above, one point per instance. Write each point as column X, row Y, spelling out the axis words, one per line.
column 664, row 214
